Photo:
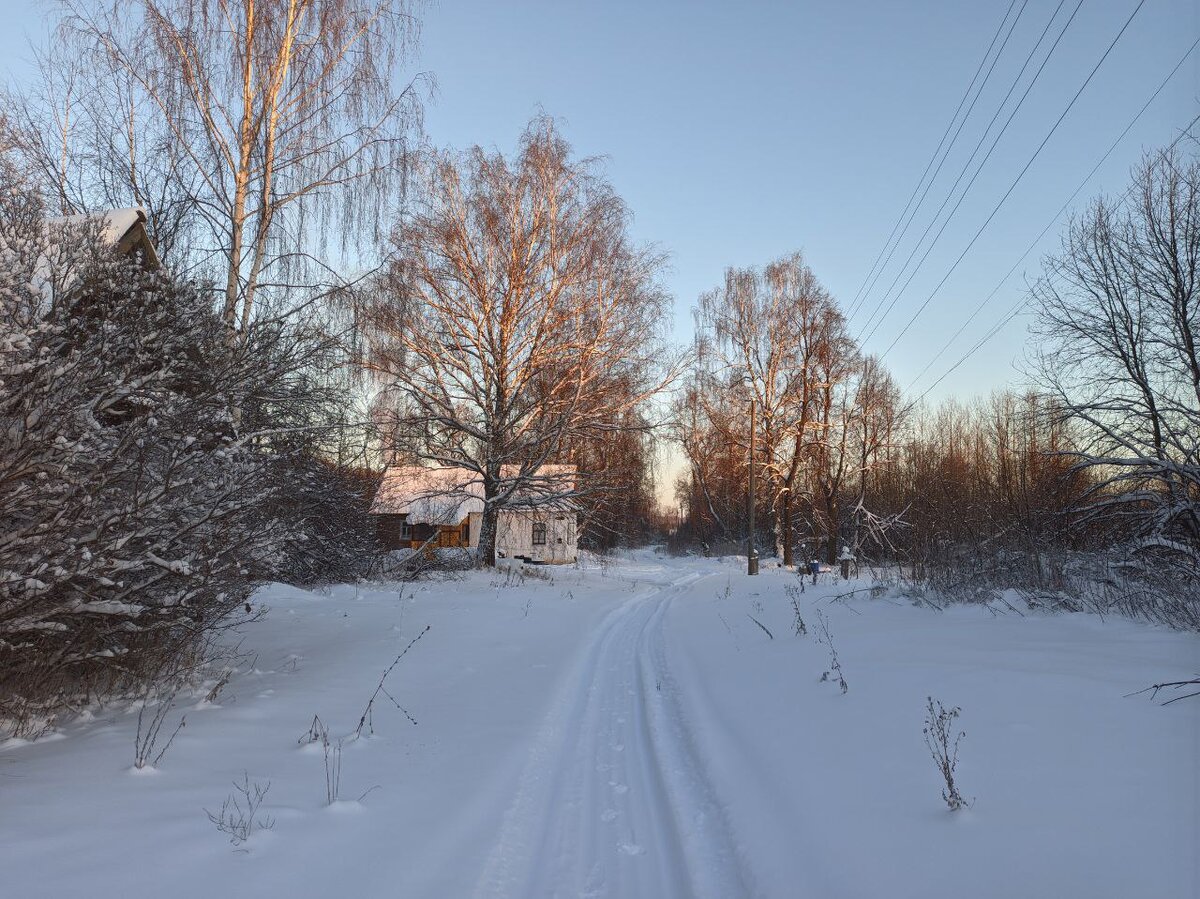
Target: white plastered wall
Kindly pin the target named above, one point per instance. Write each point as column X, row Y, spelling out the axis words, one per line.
column 515, row 536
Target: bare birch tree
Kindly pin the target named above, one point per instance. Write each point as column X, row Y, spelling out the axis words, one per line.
column 878, row 417
column 88, row 134
column 713, row 491
column 833, row 462
column 518, row 317
column 778, row 328
column 261, row 126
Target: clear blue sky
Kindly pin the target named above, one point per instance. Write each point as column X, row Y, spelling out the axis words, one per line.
column 739, row 131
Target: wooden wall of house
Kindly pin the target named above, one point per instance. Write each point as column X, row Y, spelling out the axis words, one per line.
column 388, row 530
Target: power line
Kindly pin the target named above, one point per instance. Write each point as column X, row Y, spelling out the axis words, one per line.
column 868, row 326
column 992, row 332
column 860, row 295
column 1024, row 301
column 1016, row 181
column 866, row 334
column 1082, row 184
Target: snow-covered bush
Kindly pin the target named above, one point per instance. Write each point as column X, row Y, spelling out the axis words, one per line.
column 1123, row 581
column 327, row 505
column 140, row 466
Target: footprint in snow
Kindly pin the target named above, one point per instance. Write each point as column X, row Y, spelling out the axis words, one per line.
column 631, row 849
column 609, row 815
column 619, row 789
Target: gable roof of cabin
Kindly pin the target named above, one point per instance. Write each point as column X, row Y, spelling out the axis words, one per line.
column 446, row 495
column 428, row 495
column 123, row 229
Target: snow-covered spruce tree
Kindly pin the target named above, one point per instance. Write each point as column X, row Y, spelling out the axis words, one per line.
column 135, row 516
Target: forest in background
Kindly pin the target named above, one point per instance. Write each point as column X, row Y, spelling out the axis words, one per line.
column 1082, row 489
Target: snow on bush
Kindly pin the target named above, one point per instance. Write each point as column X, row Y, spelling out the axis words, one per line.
column 140, row 473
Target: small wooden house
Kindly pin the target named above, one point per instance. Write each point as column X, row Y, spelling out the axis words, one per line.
column 415, row 503
column 419, row 506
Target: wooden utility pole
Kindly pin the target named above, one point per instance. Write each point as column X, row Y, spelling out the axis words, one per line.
column 751, row 552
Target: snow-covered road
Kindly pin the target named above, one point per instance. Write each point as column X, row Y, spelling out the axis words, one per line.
column 615, row 800
column 630, row 730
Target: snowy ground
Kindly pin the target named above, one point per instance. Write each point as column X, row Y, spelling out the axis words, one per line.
column 631, row 732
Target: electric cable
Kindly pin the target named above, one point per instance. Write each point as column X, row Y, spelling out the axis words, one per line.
column 1015, row 182
column 868, row 328
column 1082, row 184
column 855, row 301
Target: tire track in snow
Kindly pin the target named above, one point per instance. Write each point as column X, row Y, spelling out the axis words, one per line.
column 614, row 800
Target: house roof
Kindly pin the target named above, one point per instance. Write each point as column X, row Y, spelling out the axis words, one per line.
column 428, row 495
column 123, row 229
column 114, row 223
column 446, row 495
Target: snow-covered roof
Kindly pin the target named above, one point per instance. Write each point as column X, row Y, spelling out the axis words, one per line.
column 123, row 229
column 447, row 495
column 428, row 495
column 114, row 223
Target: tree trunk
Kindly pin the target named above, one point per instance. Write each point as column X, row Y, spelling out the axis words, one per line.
column 487, row 537
column 785, row 527
column 241, row 176
column 832, row 540
column 489, row 526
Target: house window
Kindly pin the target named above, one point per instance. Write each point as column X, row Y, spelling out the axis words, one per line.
column 539, row 533
column 405, row 530
column 466, row 533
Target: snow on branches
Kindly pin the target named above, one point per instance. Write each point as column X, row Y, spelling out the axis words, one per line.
column 137, row 467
